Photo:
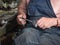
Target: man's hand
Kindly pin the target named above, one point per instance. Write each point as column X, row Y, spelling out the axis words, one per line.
column 45, row 22
column 20, row 20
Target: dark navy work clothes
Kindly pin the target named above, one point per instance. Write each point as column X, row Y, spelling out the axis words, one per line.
column 37, row 36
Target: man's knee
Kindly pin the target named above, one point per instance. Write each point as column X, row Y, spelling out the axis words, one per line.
column 48, row 39
column 29, row 36
column 30, row 30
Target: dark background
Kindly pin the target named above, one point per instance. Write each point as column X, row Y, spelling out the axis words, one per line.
column 8, row 23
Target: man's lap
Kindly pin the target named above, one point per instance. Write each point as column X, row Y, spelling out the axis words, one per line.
column 33, row 36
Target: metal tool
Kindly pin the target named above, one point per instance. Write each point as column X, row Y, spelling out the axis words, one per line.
column 33, row 23
column 26, row 19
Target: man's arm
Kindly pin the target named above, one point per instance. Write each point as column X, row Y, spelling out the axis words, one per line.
column 22, row 12
column 22, row 7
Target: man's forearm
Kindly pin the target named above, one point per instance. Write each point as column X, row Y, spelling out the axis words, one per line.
column 22, row 7
column 21, row 10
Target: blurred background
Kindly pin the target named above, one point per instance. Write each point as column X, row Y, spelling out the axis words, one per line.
column 8, row 12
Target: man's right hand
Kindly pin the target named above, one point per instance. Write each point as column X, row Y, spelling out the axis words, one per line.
column 21, row 21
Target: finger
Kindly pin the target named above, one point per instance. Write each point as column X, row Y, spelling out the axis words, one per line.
column 43, row 27
column 24, row 16
column 49, row 27
column 40, row 23
column 46, row 27
column 21, row 21
column 41, row 19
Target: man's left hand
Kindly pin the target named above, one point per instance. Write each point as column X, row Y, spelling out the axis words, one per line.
column 45, row 22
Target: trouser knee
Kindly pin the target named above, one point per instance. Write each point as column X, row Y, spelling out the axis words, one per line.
column 29, row 36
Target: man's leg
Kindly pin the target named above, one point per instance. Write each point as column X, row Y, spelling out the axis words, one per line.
column 50, row 37
column 29, row 36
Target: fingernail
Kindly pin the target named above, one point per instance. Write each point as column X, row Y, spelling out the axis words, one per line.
column 20, row 19
column 35, row 25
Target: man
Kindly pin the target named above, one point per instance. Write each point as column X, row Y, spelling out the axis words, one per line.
column 46, row 15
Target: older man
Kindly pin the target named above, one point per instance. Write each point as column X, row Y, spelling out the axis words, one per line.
column 45, row 14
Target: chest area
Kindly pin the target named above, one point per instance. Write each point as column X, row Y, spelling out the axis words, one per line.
column 56, row 7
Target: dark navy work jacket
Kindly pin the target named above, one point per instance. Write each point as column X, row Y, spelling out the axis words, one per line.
column 40, row 8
